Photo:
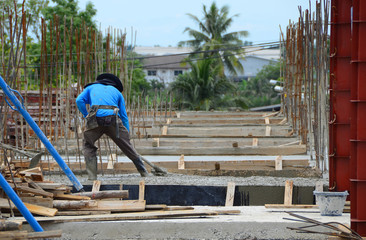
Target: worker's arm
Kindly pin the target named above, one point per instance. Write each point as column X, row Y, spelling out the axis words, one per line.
column 82, row 100
column 123, row 114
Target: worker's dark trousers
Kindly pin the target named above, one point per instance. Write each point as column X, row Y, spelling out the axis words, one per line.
column 122, row 141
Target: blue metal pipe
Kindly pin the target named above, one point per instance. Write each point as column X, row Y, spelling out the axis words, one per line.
column 20, row 108
column 20, row 205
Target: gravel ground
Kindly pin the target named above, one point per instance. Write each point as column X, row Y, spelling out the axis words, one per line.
column 190, row 180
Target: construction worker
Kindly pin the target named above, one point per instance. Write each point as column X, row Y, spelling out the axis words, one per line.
column 108, row 116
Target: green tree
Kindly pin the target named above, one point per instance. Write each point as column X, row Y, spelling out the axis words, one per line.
column 213, row 38
column 258, row 91
column 200, row 88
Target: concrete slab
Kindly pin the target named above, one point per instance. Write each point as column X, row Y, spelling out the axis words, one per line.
column 253, row 222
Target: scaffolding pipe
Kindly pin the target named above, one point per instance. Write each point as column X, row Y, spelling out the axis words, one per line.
column 19, row 204
column 20, row 108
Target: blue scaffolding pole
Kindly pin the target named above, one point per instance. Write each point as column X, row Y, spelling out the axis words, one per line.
column 20, row 205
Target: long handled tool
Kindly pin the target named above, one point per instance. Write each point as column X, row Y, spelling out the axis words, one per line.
column 157, row 171
column 34, row 156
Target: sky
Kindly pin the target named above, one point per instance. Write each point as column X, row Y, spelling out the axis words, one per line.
column 162, row 22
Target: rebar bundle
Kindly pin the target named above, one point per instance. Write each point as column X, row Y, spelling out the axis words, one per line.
column 305, row 80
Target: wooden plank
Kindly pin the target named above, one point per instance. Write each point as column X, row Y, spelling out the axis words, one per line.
column 44, row 211
column 45, row 234
column 72, row 204
column 168, row 121
column 8, row 225
column 78, row 213
column 34, row 191
column 126, row 216
column 221, row 151
column 278, row 163
column 288, row 192
column 283, row 121
column 290, row 206
column 175, row 208
column 181, row 162
column 155, row 206
column 103, row 194
column 255, row 142
column 142, row 190
column 70, row 197
column 119, row 205
column 230, row 192
column 96, row 186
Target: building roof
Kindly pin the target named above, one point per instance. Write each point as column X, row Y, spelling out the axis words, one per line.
column 166, row 62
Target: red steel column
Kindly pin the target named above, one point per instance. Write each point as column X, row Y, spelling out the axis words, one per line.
column 340, row 95
column 358, row 126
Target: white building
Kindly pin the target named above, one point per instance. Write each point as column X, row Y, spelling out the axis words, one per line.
column 165, row 63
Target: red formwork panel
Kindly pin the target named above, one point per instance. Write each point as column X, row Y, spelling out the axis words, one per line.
column 361, row 161
column 340, row 97
column 342, row 71
column 361, row 118
column 342, row 106
column 341, row 10
column 343, row 39
column 358, row 206
column 341, row 167
column 361, row 40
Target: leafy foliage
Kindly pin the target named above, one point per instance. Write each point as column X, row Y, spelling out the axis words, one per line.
column 258, row 91
column 202, row 87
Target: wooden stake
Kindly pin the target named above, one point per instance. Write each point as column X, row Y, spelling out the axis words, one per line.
column 111, row 160
column 278, row 163
column 255, row 142
column 142, row 190
column 96, row 186
column 181, row 162
column 268, row 131
column 165, row 130
column 230, row 194
column 156, row 142
column 288, row 192
column 266, row 120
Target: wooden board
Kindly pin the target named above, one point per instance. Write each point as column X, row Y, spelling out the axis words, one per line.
column 119, row 205
column 70, row 197
column 290, row 206
column 44, row 211
column 34, row 191
column 230, row 194
column 126, row 216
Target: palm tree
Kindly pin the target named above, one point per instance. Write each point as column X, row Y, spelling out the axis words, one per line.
column 213, row 40
column 202, row 86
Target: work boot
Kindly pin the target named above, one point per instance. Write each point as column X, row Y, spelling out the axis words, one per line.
column 91, row 167
column 141, row 167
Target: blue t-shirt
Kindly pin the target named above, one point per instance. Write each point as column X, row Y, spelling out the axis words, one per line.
column 99, row 94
